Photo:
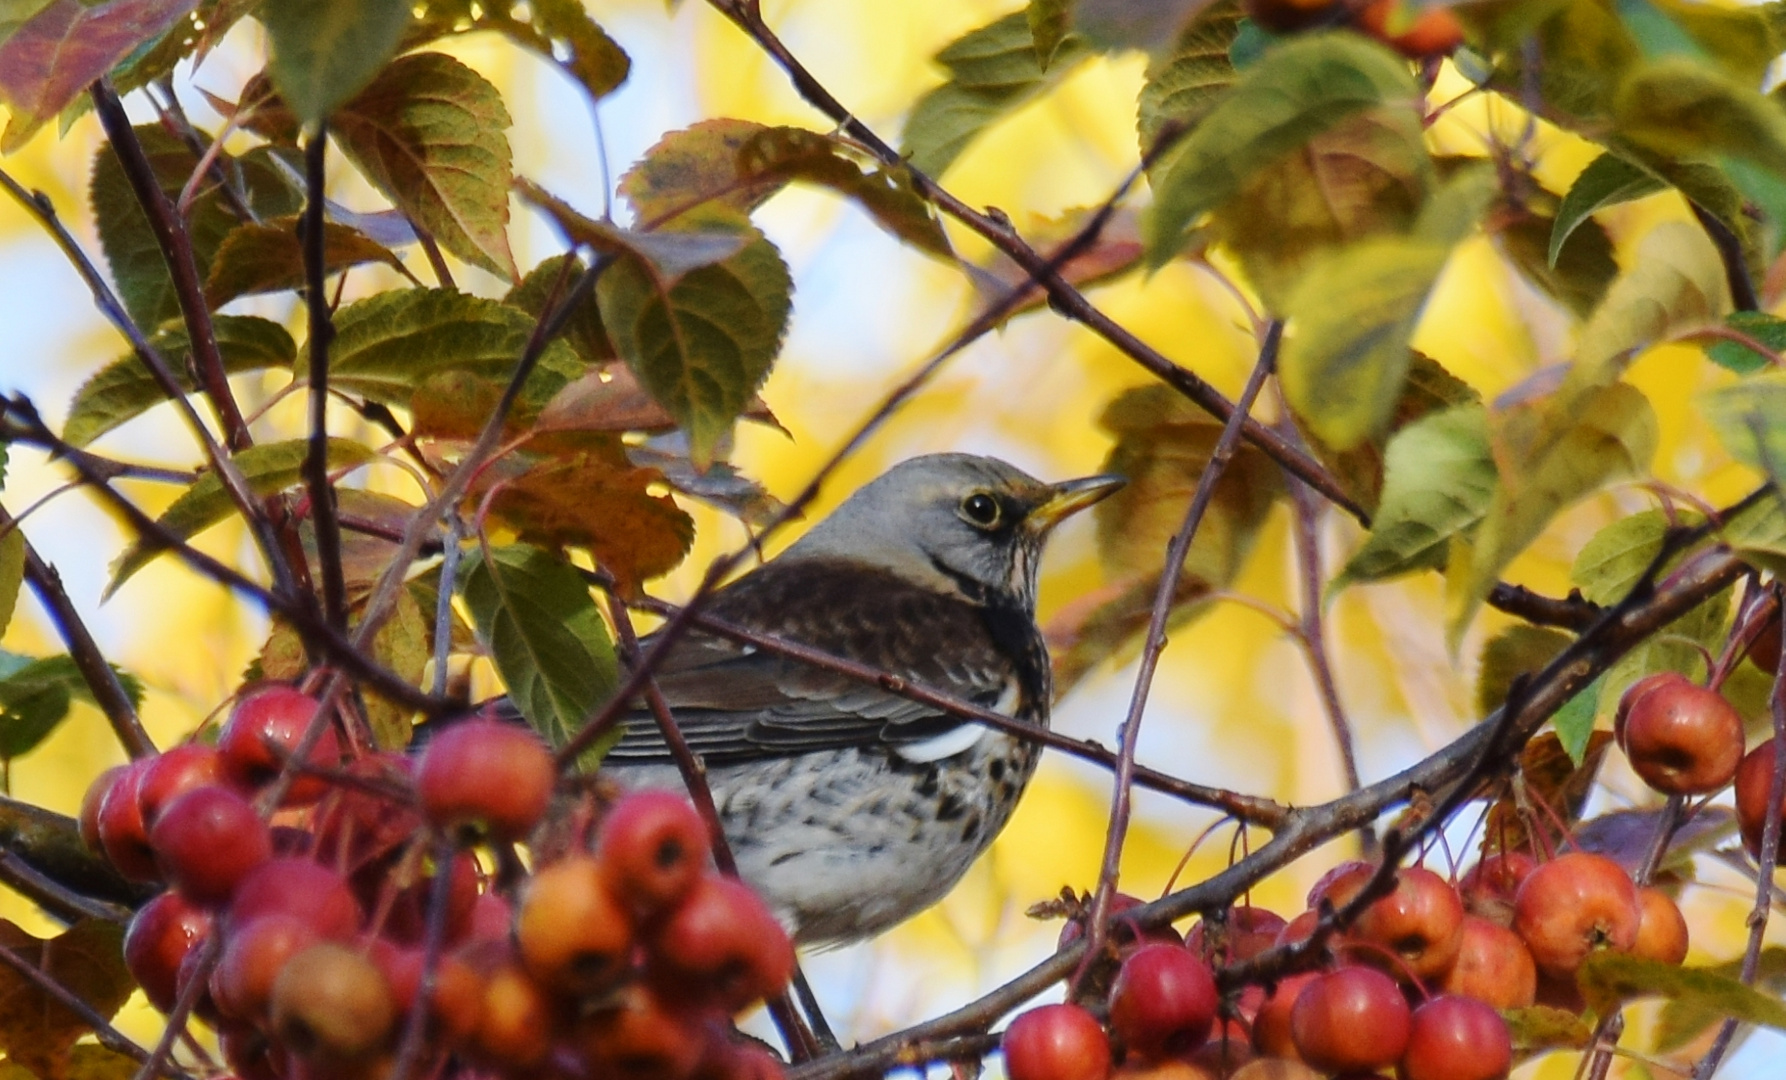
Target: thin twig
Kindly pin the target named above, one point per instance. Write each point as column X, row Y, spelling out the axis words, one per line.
column 109, row 1037
column 101, row 678
column 322, row 332
column 1154, row 644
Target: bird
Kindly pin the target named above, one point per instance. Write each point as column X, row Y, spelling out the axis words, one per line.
column 847, row 807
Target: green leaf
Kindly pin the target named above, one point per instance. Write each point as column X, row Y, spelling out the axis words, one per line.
column 1769, row 330
column 1610, row 564
column 1550, row 452
column 993, row 72
column 669, row 253
column 1750, row 420
column 1545, row 1027
column 326, row 52
column 1517, row 650
column 535, row 615
column 268, row 469
column 1607, row 181
column 1609, row 979
column 1184, row 87
column 584, row 330
column 559, row 31
column 131, row 250
column 1574, row 722
column 1742, row 41
column 1438, row 480
column 264, row 258
column 1297, row 90
column 1683, row 645
column 1681, row 108
column 428, row 133
column 1675, row 286
column 124, row 389
column 58, row 50
column 704, row 344
column 388, row 344
column 1049, row 23
column 35, row 696
column 739, row 165
column 12, row 574
column 1685, row 1018
column 1758, row 534
column 402, row 645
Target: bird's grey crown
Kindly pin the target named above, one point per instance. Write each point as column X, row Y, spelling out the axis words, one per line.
column 908, row 521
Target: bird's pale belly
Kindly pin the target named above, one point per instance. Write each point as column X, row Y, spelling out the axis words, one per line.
column 846, row 843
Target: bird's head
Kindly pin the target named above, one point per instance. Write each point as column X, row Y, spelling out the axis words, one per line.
column 954, row 522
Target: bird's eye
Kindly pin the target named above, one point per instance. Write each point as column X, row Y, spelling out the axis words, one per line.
column 980, row 509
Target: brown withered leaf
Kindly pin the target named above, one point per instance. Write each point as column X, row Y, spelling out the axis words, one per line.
column 1548, row 790
column 87, row 960
column 613, row 400
column 580, row 491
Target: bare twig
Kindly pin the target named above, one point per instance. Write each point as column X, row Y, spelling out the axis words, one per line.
column 322, row 332
column 1155, row 642
column 1572, row 612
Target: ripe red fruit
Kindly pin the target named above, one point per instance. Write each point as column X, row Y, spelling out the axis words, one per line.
column 1301, row 928
column 486, row 773
column 1572, row 905
column 1754, row 779
column 1352, row 874
column 264, row 730
column 514, row 1029
column 1662, row 931
column 1683, row 739
column 654, row 846
column 332, row 1005
column 1246, row 932
column 173, row 773
column 300, row 888
column 641, row 1035
column 1421, row 921
column 1056, row 1042
column 1488, row 887
column 90, row 802
column 722, row 944
column 207, row 841
column 1764, row 651
column 162, row 933
column 406, row 918
column 1123, row 932
column 1635, row 693
column 1271, row 1025
column 571, row 932
column 1164, row 1001
column 253, row 956
column 1456, row 1038
column 457, row 1004
column 1433, row 32
column 1353, row 1018
column 122, row 833
column 355, row 826
column 1493, row 965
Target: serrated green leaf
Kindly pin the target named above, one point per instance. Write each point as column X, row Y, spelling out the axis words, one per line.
column 1438, row 480
column 429, row 133
column 325, row 52
column 584, row 329
column 535, row 615
column 738, row 165
column 1613, row 561
column 124, row 388
column 1682, row 108
column 1758, row 534
column 1517, row 650
column 1609, row 979
column 35, row 696
column 387, row 345
column 1184, row 87
column 559, row 31
column 12, row 574
column 1768, row 330
column 264, row 258
column 1750, row 420
column 1684, row 1018
column 268, row 469
column 1675, row 286
column 1607, row 181
column 1297, row 90
column 1550, row 452
column 703, row 345
column 131, row 250
column 993, row 72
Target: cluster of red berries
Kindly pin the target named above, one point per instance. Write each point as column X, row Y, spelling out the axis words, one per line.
column 1415, row 984
column 621, row 957
column 1417, row 31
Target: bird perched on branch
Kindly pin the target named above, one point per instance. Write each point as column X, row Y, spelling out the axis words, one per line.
column 848, row 807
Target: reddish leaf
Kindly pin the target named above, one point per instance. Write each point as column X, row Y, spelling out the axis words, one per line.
column 1549, row 789
column 87, row 960
column 62, row 49
column 613, row 400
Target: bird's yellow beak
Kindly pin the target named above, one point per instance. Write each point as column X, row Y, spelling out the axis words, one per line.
column 1069, row 497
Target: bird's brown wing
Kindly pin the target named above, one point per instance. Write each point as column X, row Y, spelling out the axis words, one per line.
column 737, row 703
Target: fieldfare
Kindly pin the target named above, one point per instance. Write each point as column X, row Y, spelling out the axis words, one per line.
column 850, row 808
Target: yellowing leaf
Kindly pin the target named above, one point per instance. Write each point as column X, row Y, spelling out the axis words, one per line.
column 87, row 960
column 1750, row 419
column 1608, row 980
column 1546, row 459
column 1185, row 86
column 1675, row 285
column 1517, row 650
column 1297, row 90
column 268, row 469
column 1608, row 565
column 1684, row 108
column 270, row 258
column 559, row 31
column 325, row 52
column 429, row 133
column 704, row 344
